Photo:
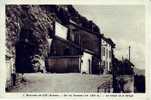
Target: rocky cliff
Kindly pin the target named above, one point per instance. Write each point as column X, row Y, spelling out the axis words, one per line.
column 27, row 27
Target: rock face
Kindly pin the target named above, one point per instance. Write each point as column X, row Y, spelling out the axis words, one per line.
column 27, row 28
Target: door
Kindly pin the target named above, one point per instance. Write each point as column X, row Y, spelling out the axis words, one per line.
column 89, row 61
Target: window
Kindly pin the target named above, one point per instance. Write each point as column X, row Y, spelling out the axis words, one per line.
column 110, row 65
column 72, row 37
column 110, row 54
column 103, row 51
column 103, row 63
column 106, row 53
column 106, row 64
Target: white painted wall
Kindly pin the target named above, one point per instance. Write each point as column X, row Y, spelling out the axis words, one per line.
column 85, row 64
column 60, row 30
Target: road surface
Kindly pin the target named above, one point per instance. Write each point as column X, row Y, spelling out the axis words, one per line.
column 69, row 82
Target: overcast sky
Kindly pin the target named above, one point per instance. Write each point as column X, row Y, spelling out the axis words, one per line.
column 124, row 24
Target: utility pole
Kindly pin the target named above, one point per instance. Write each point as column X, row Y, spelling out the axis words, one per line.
column 129, row 53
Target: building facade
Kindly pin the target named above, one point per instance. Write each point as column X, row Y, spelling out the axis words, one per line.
column 107, row 53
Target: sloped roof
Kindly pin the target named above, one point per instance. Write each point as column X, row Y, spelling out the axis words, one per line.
column 109, row 40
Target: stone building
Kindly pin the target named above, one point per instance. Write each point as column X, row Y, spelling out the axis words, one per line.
column 71, row 40
column 88, row 41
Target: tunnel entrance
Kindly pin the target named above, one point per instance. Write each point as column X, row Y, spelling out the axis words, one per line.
column 23, row 61
column 25, row 49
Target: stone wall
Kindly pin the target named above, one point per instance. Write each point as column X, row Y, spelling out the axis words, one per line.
column 125, row 84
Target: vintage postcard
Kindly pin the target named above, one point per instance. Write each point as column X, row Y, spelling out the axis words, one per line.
column 75, row 49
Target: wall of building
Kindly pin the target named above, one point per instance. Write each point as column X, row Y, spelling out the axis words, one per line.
column 85, row 39
column 86, row 63
column 63, row 48
column 63, row 64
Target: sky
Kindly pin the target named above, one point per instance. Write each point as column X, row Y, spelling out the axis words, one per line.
column 124, row 24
